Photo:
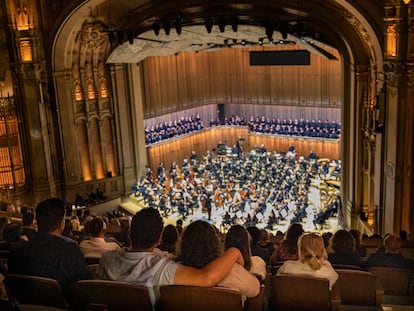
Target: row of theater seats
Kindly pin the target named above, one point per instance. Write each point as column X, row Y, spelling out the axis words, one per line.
column 355, row 290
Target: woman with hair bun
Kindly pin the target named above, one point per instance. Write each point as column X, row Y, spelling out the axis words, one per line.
column 312, row 260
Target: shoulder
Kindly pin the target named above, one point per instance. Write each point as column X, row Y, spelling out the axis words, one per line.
column 258, row 260
column 291, row 266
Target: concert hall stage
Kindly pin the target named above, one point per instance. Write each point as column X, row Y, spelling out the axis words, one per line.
column 133, row 204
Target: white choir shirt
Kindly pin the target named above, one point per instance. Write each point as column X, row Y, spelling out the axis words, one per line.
column 95, row 247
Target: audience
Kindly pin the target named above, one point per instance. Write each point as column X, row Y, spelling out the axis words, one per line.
column 28, row 225
column 200, row 244
column 360, row 249
column 179, row 226
column 3, row 222
column 123, row 235
column 169, row 241
column 12, row 236
column 49, row 255
column 238, row 237
column 96, row 246
column 287, row 249
column 68, row 233
column 342, row 249
column 138, row 264
column 391, row 257
column 255, row 248
column 264, row 241
column 312, row 260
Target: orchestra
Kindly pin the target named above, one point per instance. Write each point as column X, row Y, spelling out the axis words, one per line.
column 251, row 188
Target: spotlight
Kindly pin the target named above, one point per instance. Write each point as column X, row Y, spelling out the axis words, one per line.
column 120, row 35
column 260, row 41
column 167, row 28
column 284, row 28
column 130, row 36
column 222, row 24
column 269, row 32
column 234, row 24
column 243, row 42
column 299, row 28
column 156, row 27
column 178, row 25
column 234, row 41
column 111, row 38
column 209, row 24
column 226, row 42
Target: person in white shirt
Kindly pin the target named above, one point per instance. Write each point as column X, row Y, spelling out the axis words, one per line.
column 312, row 260
column 200, row 244
column 140, row 265
column 96, row 246
column 239, row 237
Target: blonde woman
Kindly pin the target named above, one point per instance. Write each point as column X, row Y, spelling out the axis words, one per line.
column 312, row 260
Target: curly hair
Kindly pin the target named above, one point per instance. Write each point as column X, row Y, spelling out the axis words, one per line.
column 199, row 245
column 239, row 237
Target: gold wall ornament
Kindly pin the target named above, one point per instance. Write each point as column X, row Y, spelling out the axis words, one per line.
column 26, row 51
column 93, row 35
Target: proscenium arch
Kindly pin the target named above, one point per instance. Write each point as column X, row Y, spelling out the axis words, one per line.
column 352, row 31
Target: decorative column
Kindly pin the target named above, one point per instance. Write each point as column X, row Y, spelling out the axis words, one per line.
column 41, row 146
column 398, row 187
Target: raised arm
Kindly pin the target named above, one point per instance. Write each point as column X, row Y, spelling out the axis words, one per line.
column 212, row 273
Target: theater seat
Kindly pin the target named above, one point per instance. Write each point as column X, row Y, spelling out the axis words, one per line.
column 111, row 294
column 303, row 293
column 34, row 290
column 359, row 288
column 194, row 298
column 395, row 281
column 256, row 303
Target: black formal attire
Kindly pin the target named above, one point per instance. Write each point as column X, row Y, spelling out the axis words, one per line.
column 50, row 256
column 345, row 259
column 387, row 260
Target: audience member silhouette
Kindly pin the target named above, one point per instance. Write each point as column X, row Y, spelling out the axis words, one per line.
column 96, row 246
column 392, row 256
column 342, row 249
column 169, row 239
column 256, row 249
column 287, row 249
column 49, row 255
column 237, row 236
column 264, row 241
column 12, row 236
column 68, row 233
column 28, row 227
column 359, row 248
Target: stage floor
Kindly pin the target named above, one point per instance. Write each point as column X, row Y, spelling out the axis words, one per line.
column 132, row 205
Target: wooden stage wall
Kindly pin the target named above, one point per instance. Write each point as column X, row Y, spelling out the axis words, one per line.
column 177, row 149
